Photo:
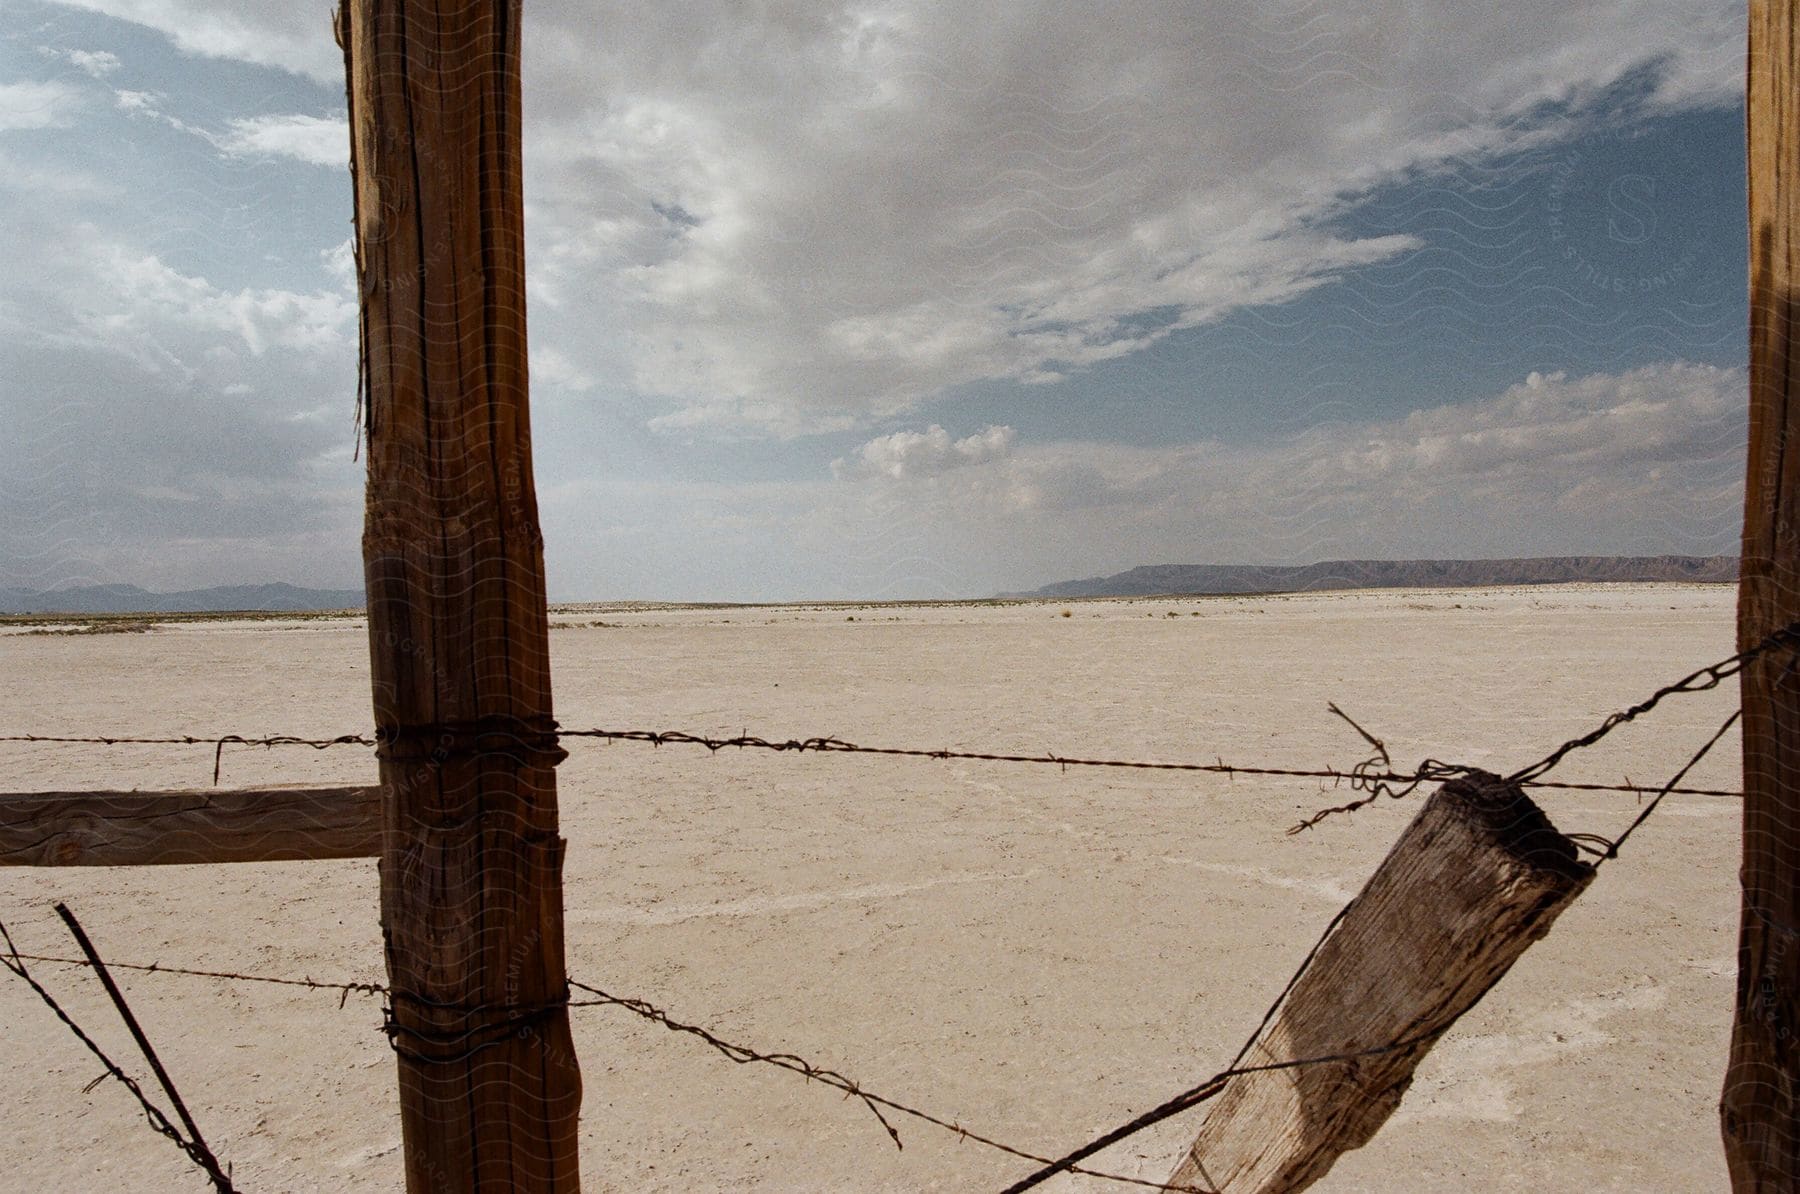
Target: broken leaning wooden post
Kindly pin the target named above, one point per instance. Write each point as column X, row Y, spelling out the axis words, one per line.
column 1760, row 1111
column 471, row 864
column 1477, row 877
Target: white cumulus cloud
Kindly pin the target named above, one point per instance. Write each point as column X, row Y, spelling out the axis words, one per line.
column 294, row 37
column 95, row 63
column 36, row 105
column 1648, row 460
column 319, row 140
column 911, row 454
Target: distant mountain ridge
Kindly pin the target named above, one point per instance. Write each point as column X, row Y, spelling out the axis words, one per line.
column 129, row 599
column 1158, row 580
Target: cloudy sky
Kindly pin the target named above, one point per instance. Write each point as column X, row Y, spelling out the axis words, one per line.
column 899, row 298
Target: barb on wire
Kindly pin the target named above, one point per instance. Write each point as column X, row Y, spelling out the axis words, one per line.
column 195, row 1149
column 1380, row 784
column 217, row 742
column 1701, row 681
column 744, row 1055
column 345, row 989
column 1364, row 779
column 1599, row 846
column 1375, row 776
column 1612, row 847
column 1389, row 782
column 1429, row 771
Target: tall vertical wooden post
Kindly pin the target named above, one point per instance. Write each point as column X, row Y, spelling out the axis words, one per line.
column 1760, row 1112
column 471, row 882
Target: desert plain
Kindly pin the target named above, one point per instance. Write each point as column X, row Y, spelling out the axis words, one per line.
column 1037, row 954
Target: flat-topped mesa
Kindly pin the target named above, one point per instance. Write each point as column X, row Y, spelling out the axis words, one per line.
column 1160, row 580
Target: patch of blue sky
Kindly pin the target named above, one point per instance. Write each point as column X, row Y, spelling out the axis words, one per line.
column 1619, row 247
column 151, row 130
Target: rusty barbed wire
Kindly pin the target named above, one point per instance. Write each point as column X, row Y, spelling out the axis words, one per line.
column 793, row 1063
column 217, row 742
column 346, row 989
column 1214, row 1085
column 1190, row 1098
column 740, row 1053
column 877, row 1103
column 1365, row 778
column 195, row 1145
column 1700, row 681
column 1374, row 775
column 825, row 745
column 194, row 1148
column 1427, row 772
column 1612, row 847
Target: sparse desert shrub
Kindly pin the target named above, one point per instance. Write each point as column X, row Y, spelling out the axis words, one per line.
column 129, row 627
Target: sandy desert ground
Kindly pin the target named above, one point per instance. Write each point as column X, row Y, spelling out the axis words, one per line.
column 1036, row 954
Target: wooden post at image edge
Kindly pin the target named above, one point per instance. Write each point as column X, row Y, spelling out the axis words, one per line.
column 1762, row 1079
column 471, row 862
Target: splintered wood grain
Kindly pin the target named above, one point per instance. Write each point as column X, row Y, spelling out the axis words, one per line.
column 471, row 889
column 1477, row 877
column 1760, row 1110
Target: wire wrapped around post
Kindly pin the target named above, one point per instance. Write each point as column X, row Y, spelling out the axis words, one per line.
column 471, row 863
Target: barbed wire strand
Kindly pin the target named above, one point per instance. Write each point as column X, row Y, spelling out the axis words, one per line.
column 1374, row 775
column 829, row 745
column 199, row 1151
column 1428, row 771
column 742, row 1054
column 1612, row 848
column 217, row 742
column 793, row 1063
column 1701, row 681
column 1207, row 1089
column 195, row 1151
column 346, row 989
column 875, row 1102
column 1194, row 1095
column 1378, row 784
column 1364, row 773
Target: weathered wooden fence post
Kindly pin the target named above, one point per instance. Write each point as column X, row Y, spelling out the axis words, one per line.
column 1760, row 1111
column 1477, row 877
column 471, row 886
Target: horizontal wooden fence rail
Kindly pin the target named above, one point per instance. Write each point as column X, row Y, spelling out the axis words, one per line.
column 210, row 825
